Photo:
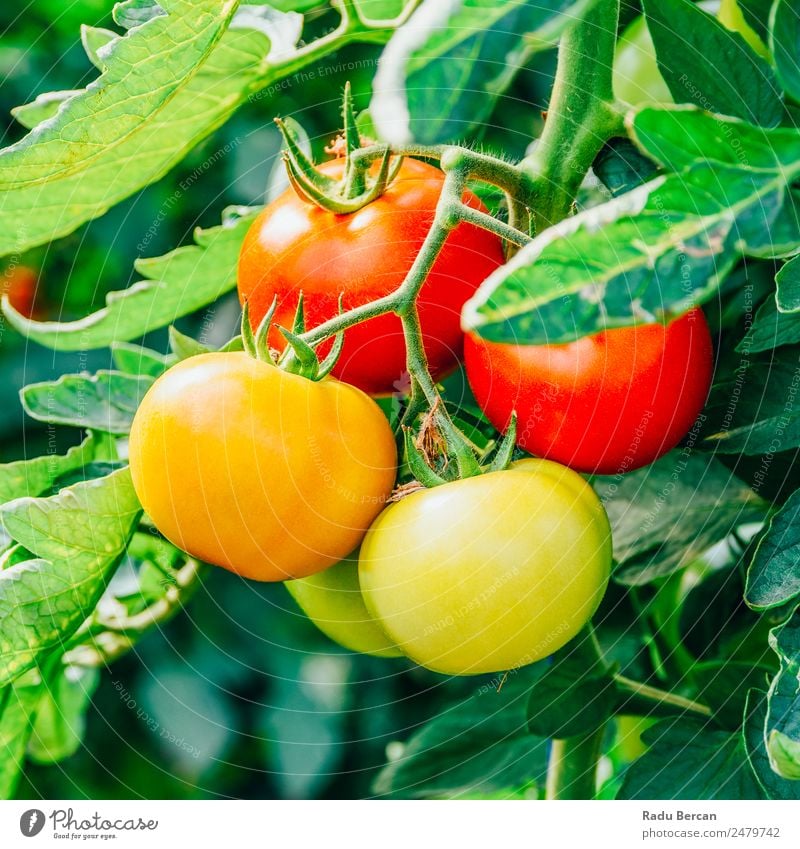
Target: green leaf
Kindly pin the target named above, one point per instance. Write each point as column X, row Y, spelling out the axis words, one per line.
column 134, row 13
column 692, row 48
column 770, row 329
column 136, row 360
column 666, row 515
column 773, row 785
column 788, row 282
column 643, row 257
column 620, row 167
column 689, row 760
column 184, row 346
column 176, row 284
column 785, row 44
column 782, row 724
column 753, row 411
column 680, row 136
column 96, row 150
column 442, row 73
column 574, row 695
column 106, row 401
column 96, row 42
column 61, row 715
column 77, row 538
column 479, row 745
column 18, row 704
column 723, row 685
column 773, row 578
column 37, row 475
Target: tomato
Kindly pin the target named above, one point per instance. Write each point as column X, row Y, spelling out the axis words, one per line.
column 607, row 403
column 332, row 600
column 263, row 472
column 19, row 284
column 295, row 246
column 491, row 572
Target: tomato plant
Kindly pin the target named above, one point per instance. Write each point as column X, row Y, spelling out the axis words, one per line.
column 555, row 555
column 606, row 403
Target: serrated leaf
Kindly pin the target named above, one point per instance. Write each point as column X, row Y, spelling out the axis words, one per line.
column 176, row 284
column 444, row 70
column 773, row 578
column 106, row 401
column 666, row 515
column 782, row 724
column 785, row 44
column 42, row 108
column 691, row 48
column 773, row 785
column 723, row 685
column 35, row 476
column 770, row 329
column 136, row 360
column 753, row 411
column 96, row 42
column 788, row 283
column 77, row 538
column 94, row 151
column 61, row 714
column 643, row 257
column 689, row 760
column 478, row 745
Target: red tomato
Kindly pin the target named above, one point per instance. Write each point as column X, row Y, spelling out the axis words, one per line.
column 295, row 246
column 607, row 403
column 19, row 283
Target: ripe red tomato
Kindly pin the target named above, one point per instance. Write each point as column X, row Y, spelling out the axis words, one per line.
column 295, row 246
column 606, row 403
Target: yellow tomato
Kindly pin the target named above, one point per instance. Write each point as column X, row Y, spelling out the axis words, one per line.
column 332, row 600
column 265, row 473
column 488, row 573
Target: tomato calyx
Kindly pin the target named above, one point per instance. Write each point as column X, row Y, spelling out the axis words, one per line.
column 356, row 188
column 428, row 460
column 299, row 356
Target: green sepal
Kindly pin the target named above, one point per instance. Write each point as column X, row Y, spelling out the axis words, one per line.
column 304, row 362
column 262, row 333
column 505, row 450
column 417, row 463
column 327, row 365
column 299, row 323
column 248, row 340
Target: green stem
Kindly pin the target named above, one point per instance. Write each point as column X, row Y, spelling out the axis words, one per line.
column 651, row 701
column 572, row 766
column 581, row 116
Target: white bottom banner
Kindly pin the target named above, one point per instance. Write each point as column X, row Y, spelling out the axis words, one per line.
column 386, row 825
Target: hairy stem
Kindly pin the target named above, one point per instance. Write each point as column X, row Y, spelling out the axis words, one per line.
column 581, row 116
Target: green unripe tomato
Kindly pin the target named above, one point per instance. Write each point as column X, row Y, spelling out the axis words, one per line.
column 636, row 78
column 489, row 573
column 332, row 601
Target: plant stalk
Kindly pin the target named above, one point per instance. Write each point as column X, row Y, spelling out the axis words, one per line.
column 572, row 766
column 581, row 117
